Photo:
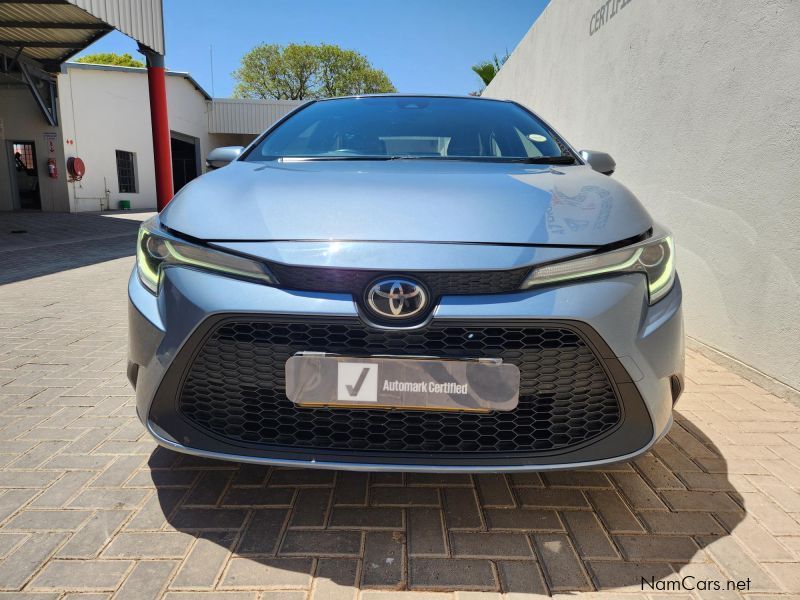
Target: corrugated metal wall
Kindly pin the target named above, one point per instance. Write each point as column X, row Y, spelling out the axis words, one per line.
column 140, row 19
column 229, row 115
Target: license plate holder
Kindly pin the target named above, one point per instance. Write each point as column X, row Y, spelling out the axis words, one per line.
column 399, row 382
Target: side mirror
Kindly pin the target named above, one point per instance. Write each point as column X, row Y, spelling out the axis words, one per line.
column 599, row 161
column 219, row 157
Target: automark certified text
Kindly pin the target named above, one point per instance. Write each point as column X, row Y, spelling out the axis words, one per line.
column 426, row 387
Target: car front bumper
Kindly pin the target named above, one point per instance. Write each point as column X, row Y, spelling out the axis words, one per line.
column 641, row 347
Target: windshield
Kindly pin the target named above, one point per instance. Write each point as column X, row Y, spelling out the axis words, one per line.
column 410, row 127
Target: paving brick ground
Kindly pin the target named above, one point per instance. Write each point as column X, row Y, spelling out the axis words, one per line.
column 90, row 508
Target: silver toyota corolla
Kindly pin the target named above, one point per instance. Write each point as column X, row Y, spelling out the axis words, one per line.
column 410, row 283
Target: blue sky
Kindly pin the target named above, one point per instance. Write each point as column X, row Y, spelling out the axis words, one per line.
column 423, row 45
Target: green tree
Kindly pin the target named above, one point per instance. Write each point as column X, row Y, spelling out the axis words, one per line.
column 488, row 69
column 303, row 71
column 346, row 72
column 110, row 58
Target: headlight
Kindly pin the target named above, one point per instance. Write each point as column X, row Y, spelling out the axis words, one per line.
column 157, row 249
column 654, row 257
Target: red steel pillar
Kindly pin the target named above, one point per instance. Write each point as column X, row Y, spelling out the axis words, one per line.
column 162, row 155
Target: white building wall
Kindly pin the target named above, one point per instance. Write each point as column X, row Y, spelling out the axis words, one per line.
column 699, row 103
column 104, row 110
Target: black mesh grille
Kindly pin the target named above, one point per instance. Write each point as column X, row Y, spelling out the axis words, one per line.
column 235, row 389
column 439, row 283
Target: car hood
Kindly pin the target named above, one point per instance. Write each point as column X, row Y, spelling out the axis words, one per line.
column 407, row 201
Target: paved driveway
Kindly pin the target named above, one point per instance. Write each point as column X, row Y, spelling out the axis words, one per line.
column 89, row 504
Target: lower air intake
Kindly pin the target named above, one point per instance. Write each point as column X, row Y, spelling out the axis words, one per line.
column 235, row 389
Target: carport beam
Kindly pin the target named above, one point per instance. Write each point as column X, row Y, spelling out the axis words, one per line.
column 157, row 84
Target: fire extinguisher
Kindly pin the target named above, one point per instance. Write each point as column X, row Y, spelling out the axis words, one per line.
column 52, row 169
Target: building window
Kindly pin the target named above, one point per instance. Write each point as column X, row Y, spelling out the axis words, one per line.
column 126, row 172
column 23, row 154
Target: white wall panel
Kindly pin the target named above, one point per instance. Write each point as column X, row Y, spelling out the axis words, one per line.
column 229, row 115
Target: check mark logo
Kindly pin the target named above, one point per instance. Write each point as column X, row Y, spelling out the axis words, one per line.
column 354, row 389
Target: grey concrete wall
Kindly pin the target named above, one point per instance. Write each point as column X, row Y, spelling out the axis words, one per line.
column 699, row 103
column 22, row 121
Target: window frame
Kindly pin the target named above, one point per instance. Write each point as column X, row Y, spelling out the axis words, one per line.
column 134, row 172
column 27, row 153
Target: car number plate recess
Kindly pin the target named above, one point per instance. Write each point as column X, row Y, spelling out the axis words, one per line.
column 408, row 383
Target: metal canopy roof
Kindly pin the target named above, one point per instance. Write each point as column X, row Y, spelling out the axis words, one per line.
column 51, row 31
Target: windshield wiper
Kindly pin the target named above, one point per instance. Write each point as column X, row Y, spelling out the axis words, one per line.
column 532, row 160
column 323, row 157
column 547, row 160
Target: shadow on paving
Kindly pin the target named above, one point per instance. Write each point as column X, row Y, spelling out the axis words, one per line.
column 598, row 529
column 37, row 244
